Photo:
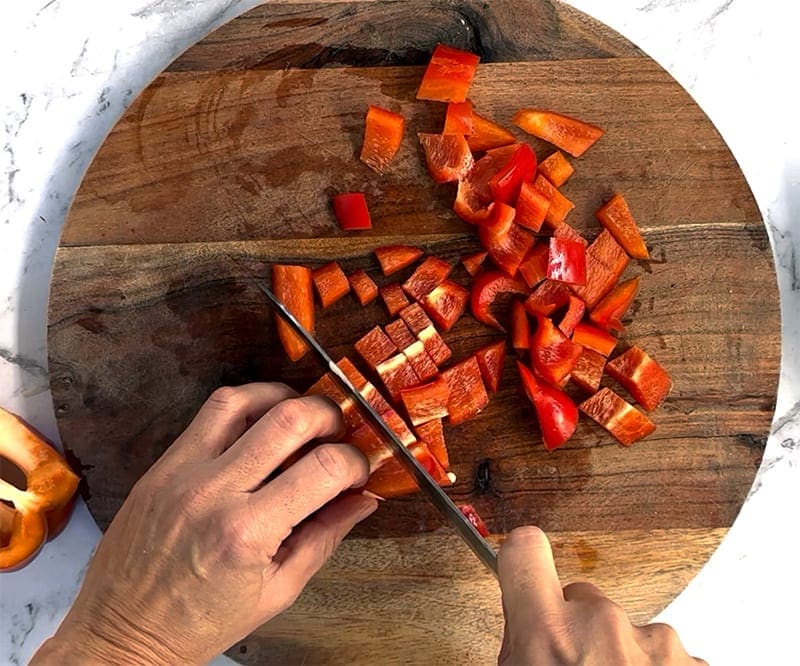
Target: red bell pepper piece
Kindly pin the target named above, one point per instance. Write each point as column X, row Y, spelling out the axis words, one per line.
column 507, row 242
column 428, row 275
column 458, row 119
column 415, row 318
column 575, row 310
column 473, row 202
column 532, row 205
column 491, row 360
column 351, row 211
column 445, row 304
column 547, row 298
column 569, row 134
column 432, row 433
column 487, row 135
column 449, row 75
column 331, row 283
column 642, row 376
column 427, row 401
column 608, row 312
column 599, row 281
column 520, row 327
column 383, row 134
column 363, row 286
column 467, row 393
column 596, row 339
column 559, row 206
column 557, row 414
column 434, row 345
column 393, row 258
column 567, row 261
column 610, row 253
column 399, row 334
column 556, row 168
column 506, row 183
column 485, row 289
column 327, row 386
column 375, row 347
column 393, row 298
column 553, row 354
column 588, row 371
column 473, row 262
column 421, row 361
column 566, row 232
column 392, row 480
column 533, row 268
column 447, row 155
column 617, row 218
column 396, row 373
column 626, row 423
column 472, row 516
column 292, row 285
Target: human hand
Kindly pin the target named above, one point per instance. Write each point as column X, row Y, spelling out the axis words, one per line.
column 548, row 625
column 201, row 553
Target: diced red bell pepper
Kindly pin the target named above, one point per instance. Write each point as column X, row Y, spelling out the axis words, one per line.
column 292, row 285
column 596, row 339
column 487, row 135
column 485, row 289
column 331, row 283
column 571, row 135
column 473, row 262
column 432, row 433
column 421, row 361
column 467, row 393
column 351, row 211
column 617, row 218
column 327, row 386
column 610, row 253
column 392, row 480
column 375, row 347
column 445, row 304
column 532, row 205
column 557, row 414
column 626, row 423
column 599, row 281
column 588, row 371
column 399, row 334
column 426, row 402
column 393, row 298
column 383, row 134
column 371, row 444
column 642, row 376
column 415, row 318
column 572, row 317
column 609, row 311
column 447, row 155
column 559, row 206
column 567, row 232
column 553, row 354
column 472, row 516
column 506, row 183
column 458, row 119
column 507, row 242
column 449, row 75
column 428, row 275
column 520, row 327
column 352, row 373
column 533, row 268
column 393, row 258
column 473, row 202
column 547, row 298
column 491, row 360
column 363, row 286
column 556, row 168
column 435, row 345
column 567, row 261
column 396, row 373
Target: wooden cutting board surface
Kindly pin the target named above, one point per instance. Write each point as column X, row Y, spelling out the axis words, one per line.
column 226, row 163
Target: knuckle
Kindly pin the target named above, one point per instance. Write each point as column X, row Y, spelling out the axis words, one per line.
column 227, row 399
column 293, row 417
column 665, row 638
column 335, row 462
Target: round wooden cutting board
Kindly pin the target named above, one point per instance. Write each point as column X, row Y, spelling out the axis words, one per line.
column 227, row 162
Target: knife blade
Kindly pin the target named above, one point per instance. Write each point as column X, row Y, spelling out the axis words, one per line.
column 424, row 480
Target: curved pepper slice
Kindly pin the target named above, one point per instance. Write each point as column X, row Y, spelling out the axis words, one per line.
column 507, row 242
column 473, row 202
column 608, row 312
column 383, row 134
column 449, row 75
column 570, row 134
column 557, row 414
column 485, row 289
column 292, row 285
column 520, row 168
column 553, row 354
column 617, row 218
column 491, row 360
column 447, row 155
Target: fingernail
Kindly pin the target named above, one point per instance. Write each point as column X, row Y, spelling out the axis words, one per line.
column 367, row 493
column 367, row 509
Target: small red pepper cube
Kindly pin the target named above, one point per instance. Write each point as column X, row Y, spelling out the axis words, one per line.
column 626, row 423
column 292, row 285
column 449, row 75
column 642, row 376
column 383, row 134
column 432, row 433
column 448, row 156
column 487, row 135
column 458, row 119
column 556, row 168
column 618, row 219
column 445, row 304
column 559, row 206
column 375, row 347
column 610, row 253
column 532, row 205
column 415, row 318
column 547, row 298
column 351, row 372
column 473, row 262
column 571, row 135
column 467, row 393
column 566, row 232
column 609, row 311
column 393, row 298
column 351, row 211
column 421, row 361
column 596, row 339
column 396, row 374
column 472, row 516
column 485, row 290
column 363, row 287
column 599, row 281
column 555, row 411
column 427, row 401
column 588, row 371
column 393, row 258
column 533, row 268
column 399, row 333
column 331, row 283
column 428, row 275
column 553, row 354
column 567, row 261
column 506, row 183
column 572, row 317
column 520, row 327
column 491, row 360
column 435, row 345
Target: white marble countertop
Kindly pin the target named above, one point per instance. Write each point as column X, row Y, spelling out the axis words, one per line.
column 70, row 68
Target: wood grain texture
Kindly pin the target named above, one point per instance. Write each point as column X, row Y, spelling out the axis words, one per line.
column 231, row 156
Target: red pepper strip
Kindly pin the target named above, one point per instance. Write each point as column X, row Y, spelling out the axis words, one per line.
column 487, row 135
column 392, row 480
column 428, row 275
column 532, row 207
column 620, row 418
column 485, row 289
column 363, row 287
column 383, row 134
column 426, row 402
column 415, row 318
column 575, row 310
column 599, row 281
column 458, row 119
column 447, row 155
column 449, row 75
column 557, row 414
column 569, row 134
column 399, row 334
column 467, row 393
column 331, row 283
column 507, row 243
column 567, row 261
column 351, row 211
column 396, row 373
column 596, row 339
column 474, row 198
column 445, row 304
column 473, row 262
column 434, row 345
column 472, row 516
column 610, row 253
column 642, row 376
column 432, row 433
column 421, row 361
column 506, row 183
column 393, row 298
column 393, row 258
column 553, row 354
column 556, row 168
column 588, row 371
column 548, row 297
column 292, row 285
column 520, row 327
column 559, row 206
column 375, row 347
column 491, row 360
column 533, row 268
column 617, row 218
column 608, row 312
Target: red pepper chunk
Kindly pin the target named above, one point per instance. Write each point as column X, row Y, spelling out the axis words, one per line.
column 599, row 281
column 449, row 75
column 415, row 318
column 421, row 361
column 447, row 155
column 610, row 253
column 553, row 354
column 559, row 206
column 375, row 347
column 331, row 283
column 396, row 373
column 426, row 402
column 520, row 327
column 596, row 339
column 434, row 345
column 491, row 360
column 532, row 206
column 392, row 480
column 472, row 516
column 363, row 287
column 556, row 168
column 617, row 218
column 642, row 376
column 571, row 135
column 432, row 433
column 608, row 312
column 487, row 135
column 533, row 268
column 507, row 242
column 458, row 119
column 575, row 309
column 547, row 298
column 399, row 334
column 557, row 414
column 473, row 202
column 588, row 371
column 467, row 393
column 383, row 134
column 445, row 304
column 473, row 262
column 292, row 285
column 485, row 289
column 567, row 261
column 351, row 211
column 393, row 298
column 393, row 258
column 626, row 423
column 428, row 275
column 506, row 183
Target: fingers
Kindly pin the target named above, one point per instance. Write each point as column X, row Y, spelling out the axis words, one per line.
column 582, row 591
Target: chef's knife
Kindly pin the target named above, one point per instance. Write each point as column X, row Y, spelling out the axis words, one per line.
column 427, row 485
